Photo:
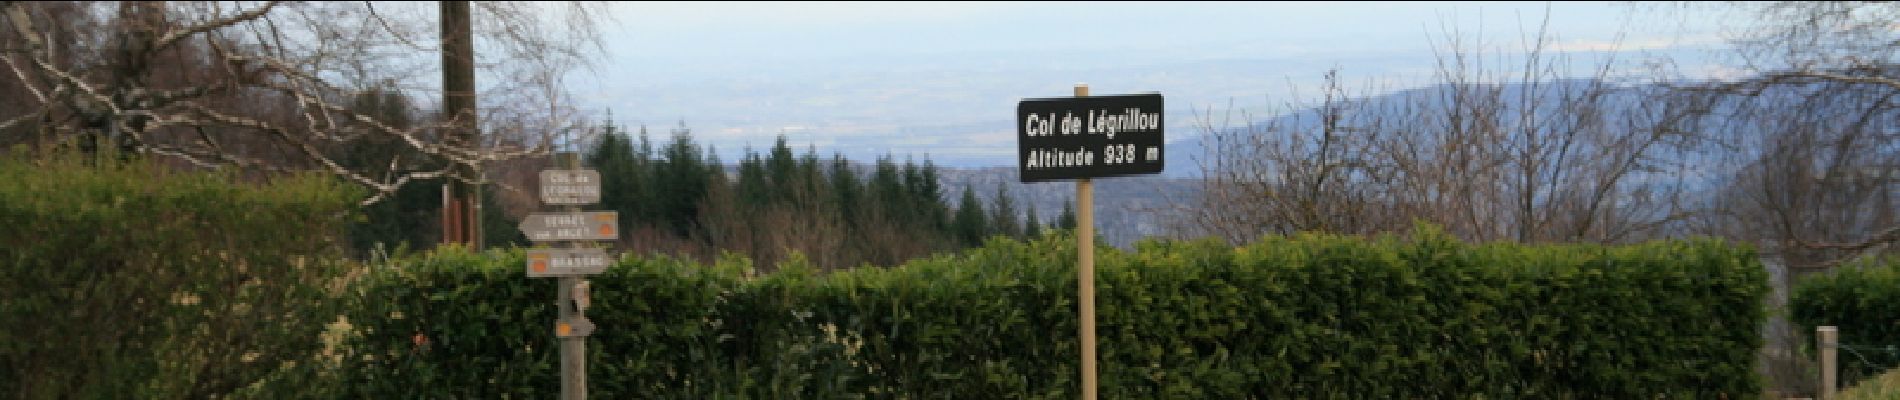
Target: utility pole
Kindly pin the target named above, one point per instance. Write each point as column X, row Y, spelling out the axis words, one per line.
column 461, row 207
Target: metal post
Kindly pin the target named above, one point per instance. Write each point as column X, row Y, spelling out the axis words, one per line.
column 1085, row 271
column 1827, row 339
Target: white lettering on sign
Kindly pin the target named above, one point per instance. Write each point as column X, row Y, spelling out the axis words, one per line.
column 592, row 225
column 1083, row 137
column 572, row 187
column 570, row 190
column 1132, row 120
column 1096, row 122
column 1041, row 158
column 565, row 219
column 1049, row 125
column 567, row 262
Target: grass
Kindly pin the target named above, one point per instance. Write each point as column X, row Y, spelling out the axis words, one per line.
column 1885, row 386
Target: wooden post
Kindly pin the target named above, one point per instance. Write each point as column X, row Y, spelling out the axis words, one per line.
column 1085, row 271
column 458, row 103
column 1827, row 339
column 574, row 348
column 449, row 214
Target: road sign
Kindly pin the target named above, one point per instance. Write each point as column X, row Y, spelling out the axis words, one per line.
column 543, row 263
column 570, row 186
column 1087, row 137
column 578, row 326
column 589, row 225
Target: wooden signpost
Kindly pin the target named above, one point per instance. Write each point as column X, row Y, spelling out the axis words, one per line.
column 554, row 263
column 571, row 187
column 570, row 226
column 1080, row 138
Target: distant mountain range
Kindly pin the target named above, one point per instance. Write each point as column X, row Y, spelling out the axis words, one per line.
column 1127, row 206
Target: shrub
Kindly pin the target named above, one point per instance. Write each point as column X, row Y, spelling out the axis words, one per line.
column 1863, row 300
column 138, row 281
column 1301, row 317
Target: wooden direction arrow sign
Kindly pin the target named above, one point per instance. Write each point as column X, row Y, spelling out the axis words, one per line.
column 545, row 263
column 589, row 225
column 573, row 327
column 570, row 186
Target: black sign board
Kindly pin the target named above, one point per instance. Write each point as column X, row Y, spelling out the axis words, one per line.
column 1088, row 137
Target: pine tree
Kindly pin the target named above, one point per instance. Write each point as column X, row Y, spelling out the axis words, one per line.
column 916, row 213
column 640, row 204
column 680, row 183
column 931, row 193
column 969, row 225
column 781, row 167
column 754, row 190
column 1003, row 214
column 410, row 216
column 887, row 190
column 811, row 182
column 845, row 190
column 622, row 175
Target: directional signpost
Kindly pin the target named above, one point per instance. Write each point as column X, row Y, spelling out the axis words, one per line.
column 1080, row 138
column 575, row 187
column 572, row 187
column 569, row 226
column 550, row 263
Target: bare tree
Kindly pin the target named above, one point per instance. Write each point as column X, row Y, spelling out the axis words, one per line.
column 1813, row 161
column 1516, row 152
column 1283, row 175
column 266, row 85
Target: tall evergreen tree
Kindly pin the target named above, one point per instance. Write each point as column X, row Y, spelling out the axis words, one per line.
column 969, row 226
column 781, row 167
column 916, row 213
column 1003, row 213
column 930, row 191
column 680, row 183
column 755, row 190
column 408, row 217
column 811, row 181
column 845, row 190
column 622, row 175
column 887, row 189
column 641, row 202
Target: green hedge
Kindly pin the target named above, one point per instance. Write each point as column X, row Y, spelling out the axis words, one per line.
column 1861, row 298
column 139, row 281
column 1302, row 317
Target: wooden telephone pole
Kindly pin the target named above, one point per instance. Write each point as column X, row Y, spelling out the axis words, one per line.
column 461, row 201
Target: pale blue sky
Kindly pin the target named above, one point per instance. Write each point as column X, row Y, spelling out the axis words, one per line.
column 942, row 78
